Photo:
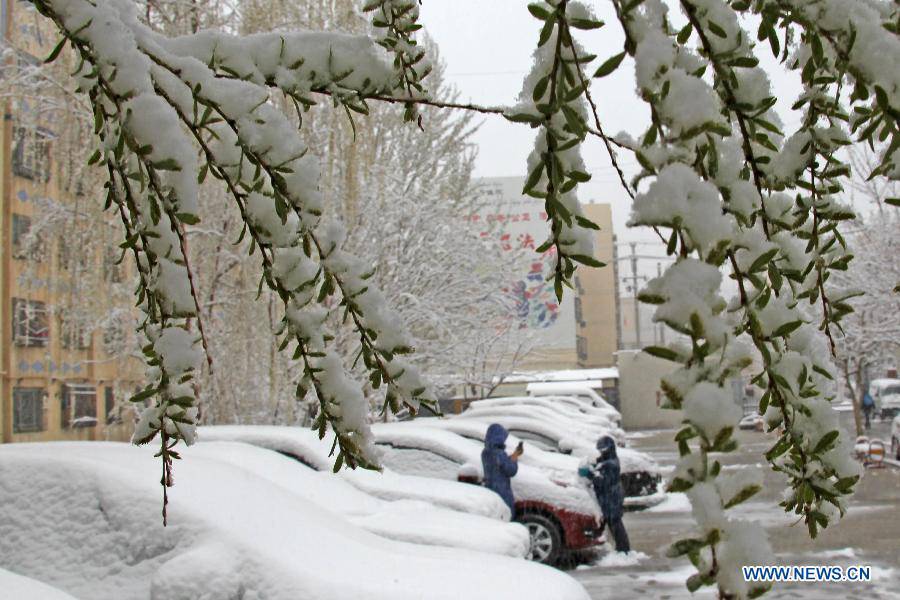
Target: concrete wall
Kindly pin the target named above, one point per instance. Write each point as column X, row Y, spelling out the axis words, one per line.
column 640, row 396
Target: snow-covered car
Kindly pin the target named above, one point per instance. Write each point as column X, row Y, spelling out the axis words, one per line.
column 569, row 388
column 886, row 394
column 641, row 476
column 564, row 467
column 569, row 407
column 561, row 518
column 579, row 428
column 413, row 521
column 304, row 445
column 84, row 517
column 753, row 422
column 895, row 437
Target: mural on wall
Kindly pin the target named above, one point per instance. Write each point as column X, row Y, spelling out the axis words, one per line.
column 519, row 222
column 536, row 302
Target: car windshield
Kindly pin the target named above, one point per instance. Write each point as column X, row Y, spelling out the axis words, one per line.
column 891, row 390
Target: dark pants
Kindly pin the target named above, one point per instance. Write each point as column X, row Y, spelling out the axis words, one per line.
column 868, row 414
column 617, row 529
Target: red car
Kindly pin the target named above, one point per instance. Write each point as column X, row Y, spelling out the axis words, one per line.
column 562, row 518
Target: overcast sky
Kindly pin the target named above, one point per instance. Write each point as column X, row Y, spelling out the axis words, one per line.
column 487, row 46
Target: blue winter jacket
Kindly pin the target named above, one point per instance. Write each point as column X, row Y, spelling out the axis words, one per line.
column 498, row 466
column 604, row 476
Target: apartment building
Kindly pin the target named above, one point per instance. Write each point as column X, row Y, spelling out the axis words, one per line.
column 58, row 378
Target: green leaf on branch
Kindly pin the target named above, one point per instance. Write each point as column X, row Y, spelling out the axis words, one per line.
column 745, row 493
column 169, row 164
column 56, row 50
column 826, row 443
column 587, row 260
column 610, row 65
column 685, row 546
column 538, row 11
column 662, row 352
column 586, row 223
column 585, row 23
column 787, row 328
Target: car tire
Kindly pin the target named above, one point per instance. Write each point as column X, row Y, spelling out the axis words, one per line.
column 545, row 538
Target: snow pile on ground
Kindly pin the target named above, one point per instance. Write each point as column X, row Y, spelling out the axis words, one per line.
column 17, row 586
column 84, row 517
column 674, row 502
column 621, row 559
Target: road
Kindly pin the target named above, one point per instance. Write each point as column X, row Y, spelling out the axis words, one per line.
column 868, row 535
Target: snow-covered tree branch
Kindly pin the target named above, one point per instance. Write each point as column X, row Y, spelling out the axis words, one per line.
column 721, row 182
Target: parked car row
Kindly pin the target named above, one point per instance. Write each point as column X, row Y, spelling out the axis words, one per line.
column 244, row 522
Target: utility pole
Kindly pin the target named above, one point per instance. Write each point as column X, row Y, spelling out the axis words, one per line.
column 662, row 328
column 632, row 285
column 637, row 305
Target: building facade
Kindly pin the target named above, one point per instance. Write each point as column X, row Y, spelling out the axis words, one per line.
column 580, row 331
column 57, row 380
column 596, row 311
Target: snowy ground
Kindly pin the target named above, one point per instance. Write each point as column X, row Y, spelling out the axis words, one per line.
column 868, row 535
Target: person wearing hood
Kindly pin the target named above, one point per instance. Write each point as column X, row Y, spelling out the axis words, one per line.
column 604, row 477
column 499, row 467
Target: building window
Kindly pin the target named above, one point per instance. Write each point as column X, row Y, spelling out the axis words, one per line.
column 25, row 244
column 73, row 334
column 113, row 413
column 78, row 404
column 579, row 315
column 31, row 153
column 114, row 337
column 30, row 326
column 28, row 410
column 581, row 347
column 112, row 266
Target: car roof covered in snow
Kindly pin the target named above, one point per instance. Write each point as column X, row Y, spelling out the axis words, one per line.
column 305, row 445
column 570, row 406
column 230, row 532
column 530, row 483
column 568, row 375
column 630, row 460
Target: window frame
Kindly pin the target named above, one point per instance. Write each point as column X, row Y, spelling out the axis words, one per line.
column 19, row 396
column 71, row 397
column 38, row 167
column 23, row 334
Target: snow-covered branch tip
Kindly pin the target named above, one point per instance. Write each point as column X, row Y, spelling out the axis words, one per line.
column 735, row 192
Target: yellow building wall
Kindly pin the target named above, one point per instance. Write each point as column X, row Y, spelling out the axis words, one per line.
column 595, row 305
column 47, row 367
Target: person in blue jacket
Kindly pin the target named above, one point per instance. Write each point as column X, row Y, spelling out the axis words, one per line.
column 499, row 467
column 868, row 406
column 604, row 477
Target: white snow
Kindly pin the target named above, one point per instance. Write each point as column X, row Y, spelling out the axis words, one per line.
column 674, row 502
column 304, row 445
column 16, row 586
column 405, row 520
column 612, row 560
column 231, row 532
